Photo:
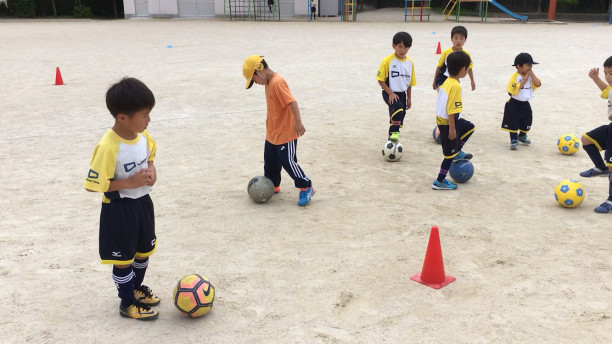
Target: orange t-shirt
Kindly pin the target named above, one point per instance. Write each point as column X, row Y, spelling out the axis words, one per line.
column 280, row 124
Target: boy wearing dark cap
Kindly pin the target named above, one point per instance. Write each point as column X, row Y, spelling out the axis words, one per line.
column 283, row 127
column 517, row 111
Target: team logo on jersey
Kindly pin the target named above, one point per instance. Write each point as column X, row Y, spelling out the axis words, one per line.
column 129, row 166
column 153, row 242
column 116, row 254
column 395, row 74
column 92, row 174
column 458, row 105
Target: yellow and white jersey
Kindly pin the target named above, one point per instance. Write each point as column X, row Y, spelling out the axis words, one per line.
column 115, row 158
column 398, row 74
column 444, row 55
column 522, row 94
column 607, row 94
column 449, row 101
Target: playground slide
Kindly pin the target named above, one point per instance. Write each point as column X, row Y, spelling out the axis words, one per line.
column 510, row 13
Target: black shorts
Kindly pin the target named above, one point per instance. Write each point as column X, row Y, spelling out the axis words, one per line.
column 517, row 116
column 602, row 138
column 127, row 230
column 450, row 148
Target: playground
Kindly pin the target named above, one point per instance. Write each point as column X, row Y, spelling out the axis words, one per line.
column 339, row 270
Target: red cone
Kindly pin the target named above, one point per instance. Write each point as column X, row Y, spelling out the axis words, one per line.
column 438, row 51
column 432, row 274
column 58, row 77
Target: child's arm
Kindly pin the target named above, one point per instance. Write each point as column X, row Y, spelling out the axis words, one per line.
column 142, row 178
column 452, row 132
column 408, row 98
column 392, row 96
column 152, row 174
column 594, row 74
column 471, row 74
column 299, row 127
column 534, row 78
column 435, row 76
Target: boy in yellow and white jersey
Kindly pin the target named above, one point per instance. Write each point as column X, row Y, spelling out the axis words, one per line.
column 518, row 116
column 600, row 138
column 122, row 168
column 454, row 130
column 458, row 37
column 396, row 77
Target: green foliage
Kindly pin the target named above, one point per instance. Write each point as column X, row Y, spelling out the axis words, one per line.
column 22, row 8
column 82, row 12
column 569, row 2
column 3, row 9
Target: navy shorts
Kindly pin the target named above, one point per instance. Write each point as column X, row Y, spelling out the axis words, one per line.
column 450, row 148
column 517, row 116
column 602, row 138
column 127, row 230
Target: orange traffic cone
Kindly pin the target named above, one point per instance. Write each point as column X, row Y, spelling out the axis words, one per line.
column 432, row 274
column 58, row 77
column 438, row 51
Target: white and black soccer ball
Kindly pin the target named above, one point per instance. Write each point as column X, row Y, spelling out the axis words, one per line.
column 392, row 151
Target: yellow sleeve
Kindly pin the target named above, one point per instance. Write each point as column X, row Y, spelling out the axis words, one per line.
column 102, row 168
column 604, row 93
column 413, row 77
column 383, row 70
column 442, row 58
column 151, row 145
column 513, row 85
column 454, row 104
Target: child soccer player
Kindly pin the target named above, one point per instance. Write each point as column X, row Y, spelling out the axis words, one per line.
column 600, row 138
column 313, row 9
column 283, row 127
column 458, row 37
column 454, row 130
column 396, row 77
column 517, row 111
column 122, row 168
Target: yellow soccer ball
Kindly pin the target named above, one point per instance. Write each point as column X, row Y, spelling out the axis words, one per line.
column 568, row 144
column 194, row 295
column 569, row 193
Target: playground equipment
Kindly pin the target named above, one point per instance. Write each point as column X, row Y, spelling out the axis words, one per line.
column 425, row 5
column 450, row 6
column 251, row 10
column 349, row 10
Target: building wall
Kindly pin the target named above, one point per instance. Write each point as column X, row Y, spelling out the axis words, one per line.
column 170, row 8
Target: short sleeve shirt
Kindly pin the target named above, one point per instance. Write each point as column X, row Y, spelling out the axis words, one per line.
column 444, row 55
column 280, row 123
column 449, row 101
column 524, row 93
column 607, row 94
column 397, row 73
column 115, row 158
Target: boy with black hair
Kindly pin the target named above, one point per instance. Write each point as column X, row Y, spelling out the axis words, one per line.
column 283, row 127
column 517, row 111
column 458, row 37
column 396, row 78
column 454, row 130
column 122, row 168
column 600, row 138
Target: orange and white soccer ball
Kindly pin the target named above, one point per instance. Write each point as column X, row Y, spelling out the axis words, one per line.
column 194, row 295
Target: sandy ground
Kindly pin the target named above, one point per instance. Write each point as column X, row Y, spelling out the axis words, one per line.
column 338, row 270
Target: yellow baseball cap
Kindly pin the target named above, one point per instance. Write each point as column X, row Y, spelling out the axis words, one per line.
column 250, row 65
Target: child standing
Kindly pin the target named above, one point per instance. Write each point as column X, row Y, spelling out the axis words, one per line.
column 600, row 138
column 458, row 37
column 313, row 9
column 517, row 111
column 396, row 78
column 283, row 127
column 122, row 168
column 454, row 130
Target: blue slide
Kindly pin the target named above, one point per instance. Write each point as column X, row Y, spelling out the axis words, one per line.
column 510, row 13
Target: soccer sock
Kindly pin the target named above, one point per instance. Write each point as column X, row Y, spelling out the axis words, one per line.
column 124, row 281
column 596, row 158
column 446, row 164
column 522, row 134
column 140, row 268
column 513, row 137
column 610, row 187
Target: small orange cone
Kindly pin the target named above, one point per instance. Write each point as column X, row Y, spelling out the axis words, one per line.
column 432, row 274
column 438, row 51
column 58, row 77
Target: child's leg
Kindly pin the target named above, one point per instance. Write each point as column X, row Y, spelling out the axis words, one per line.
column 465, row 131
column 397, row 112
column 592, row 149
column 123, row 275
column 446, row 164
column 140, row 268
column 288, row 157
column 272, row 163
column 510, row 122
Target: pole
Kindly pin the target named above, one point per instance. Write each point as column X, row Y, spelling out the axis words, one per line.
column 552, row 9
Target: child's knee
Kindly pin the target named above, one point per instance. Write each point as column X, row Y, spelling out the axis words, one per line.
column 585, row 140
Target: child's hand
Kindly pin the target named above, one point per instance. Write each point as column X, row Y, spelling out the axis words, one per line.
column 594, row 73
column 473, row 85
column 452, row 134
column 141, row 178
column 393, row 98
column 434, row 86
column 299, row 128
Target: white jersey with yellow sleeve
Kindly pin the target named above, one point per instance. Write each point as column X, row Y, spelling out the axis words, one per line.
column 397, row 73
column 524, row 93
column 449, row 101
column 115, row 158
column 607, row 94
column 444, row 56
